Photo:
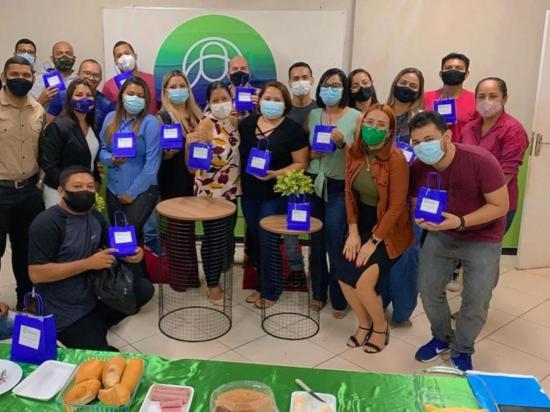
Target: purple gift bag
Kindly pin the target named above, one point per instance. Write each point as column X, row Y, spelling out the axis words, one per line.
column 122, row 236
column 259, row 160
column 298, row 214
column 124, row 145
column 447, row 109
column 322, row 142
column 200, row 156
column 243, row 98
column 34, row 338
column 171, row 136
column 407, row 151
column 431, row 203
column 121, row 78
column 55, row 79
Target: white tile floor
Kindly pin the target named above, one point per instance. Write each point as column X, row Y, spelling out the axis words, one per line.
column 515, row 339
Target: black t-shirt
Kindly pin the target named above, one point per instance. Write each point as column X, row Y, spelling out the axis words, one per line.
column 57, row 236
column 288, row 137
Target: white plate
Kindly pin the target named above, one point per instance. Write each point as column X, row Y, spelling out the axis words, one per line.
column 312, row 404
column 151, row 406
column 13, row 375
column 45, row 381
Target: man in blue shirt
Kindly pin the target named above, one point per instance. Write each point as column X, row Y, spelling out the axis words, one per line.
column 90, row 70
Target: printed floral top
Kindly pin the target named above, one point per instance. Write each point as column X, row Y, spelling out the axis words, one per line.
column 223, row 178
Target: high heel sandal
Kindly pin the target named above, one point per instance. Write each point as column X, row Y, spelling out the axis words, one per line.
column 355, row 343
column 376, row 348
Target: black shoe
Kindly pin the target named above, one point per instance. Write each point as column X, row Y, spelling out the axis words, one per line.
column 355, row 343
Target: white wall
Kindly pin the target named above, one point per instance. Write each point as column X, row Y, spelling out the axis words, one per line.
column 502, row 38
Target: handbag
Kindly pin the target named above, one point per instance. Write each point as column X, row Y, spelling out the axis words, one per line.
column 114, row 287
column 34, row 337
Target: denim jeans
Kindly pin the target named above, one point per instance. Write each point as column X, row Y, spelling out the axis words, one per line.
column 331, row 239
column 400, row 288
column 263, row 248
column 150, row 228
column 295, row 257
column 481, row 262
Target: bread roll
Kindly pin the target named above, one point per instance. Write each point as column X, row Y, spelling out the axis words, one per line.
column 91, row 369
column 132, row 373
column 113, row 370
column 83, row 393
column 244, row 400
column 118, row 395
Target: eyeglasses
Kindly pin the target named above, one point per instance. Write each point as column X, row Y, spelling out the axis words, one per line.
column 93, row 75
column 334, row 85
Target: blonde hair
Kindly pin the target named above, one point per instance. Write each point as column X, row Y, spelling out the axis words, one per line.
column 191, row 106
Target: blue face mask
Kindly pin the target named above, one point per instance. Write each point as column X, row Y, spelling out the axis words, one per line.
column 178, row 96
column 84, row 105
column 271, row 109
column 429, row 152
column 133, row 104
column 28, row 57
column 330, row 96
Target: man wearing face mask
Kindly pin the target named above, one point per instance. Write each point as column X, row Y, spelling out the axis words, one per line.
column 472, row 232
column 66, row 247
column 125, row 59
column 300, row 79
column 21, row 123
column 26, row 49
column 63, row 59
column 239, row 76
column 455, row 69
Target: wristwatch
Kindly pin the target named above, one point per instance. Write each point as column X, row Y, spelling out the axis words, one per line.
column 462, row 225
column 374, row 240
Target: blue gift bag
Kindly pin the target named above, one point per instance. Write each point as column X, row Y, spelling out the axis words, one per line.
column 407, row 151
column 447, row 109
column 298, row 214
column 200, row 156
column 121, row 78
column 259, row 160
column 55, row 79
column 243, row 98
column 124, row 145
column 322, row 141
column 171, row 136
column 431, row 203
column 122, row 236
column 34, row 337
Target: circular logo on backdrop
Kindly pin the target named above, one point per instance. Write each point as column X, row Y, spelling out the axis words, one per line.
column 202, row 48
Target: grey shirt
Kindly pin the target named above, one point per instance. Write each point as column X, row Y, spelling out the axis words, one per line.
column 39, row 86
column 299, row 114
column 57, row 236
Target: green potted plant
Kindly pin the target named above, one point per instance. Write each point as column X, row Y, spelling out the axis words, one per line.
column 296, row 185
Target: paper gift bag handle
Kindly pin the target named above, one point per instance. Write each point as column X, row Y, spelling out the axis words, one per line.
column 265, row 139
column 437, row 180
column 116, row 216
column 40, row 311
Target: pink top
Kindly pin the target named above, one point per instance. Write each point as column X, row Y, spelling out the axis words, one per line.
column 507, row 140
column 465, row 109
column 472, row 173
column 110, row 90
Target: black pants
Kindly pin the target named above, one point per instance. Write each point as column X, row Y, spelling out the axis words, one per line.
column 90, row 331
column 138, row 212
column 18, row 208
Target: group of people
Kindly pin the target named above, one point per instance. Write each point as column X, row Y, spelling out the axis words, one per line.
column 372, row 252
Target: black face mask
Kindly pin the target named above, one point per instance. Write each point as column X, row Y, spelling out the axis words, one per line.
column 19, row 87
column 363, row 94
column 453, row 77
column 64, row 64
column 404, row 94
column 239, row 78
column 81, row 201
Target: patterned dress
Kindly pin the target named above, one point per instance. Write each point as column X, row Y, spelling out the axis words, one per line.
column 223, row 178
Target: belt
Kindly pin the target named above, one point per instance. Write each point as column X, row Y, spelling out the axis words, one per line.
column 20, row 184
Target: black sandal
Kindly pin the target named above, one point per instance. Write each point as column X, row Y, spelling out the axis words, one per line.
column 376, row 348
column 354, row 340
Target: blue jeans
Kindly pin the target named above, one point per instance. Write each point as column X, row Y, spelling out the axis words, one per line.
column 261, row 250
column 331, row 239
column 401, row 287
column 150, row 228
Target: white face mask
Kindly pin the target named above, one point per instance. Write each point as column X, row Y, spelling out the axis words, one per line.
column 221, row 110
column 126, row 63
column 301, row 87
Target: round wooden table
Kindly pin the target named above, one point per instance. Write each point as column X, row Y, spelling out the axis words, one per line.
column 291, row 316
column 188, row 311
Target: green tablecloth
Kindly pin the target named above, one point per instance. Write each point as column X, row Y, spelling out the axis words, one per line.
column 355, row 391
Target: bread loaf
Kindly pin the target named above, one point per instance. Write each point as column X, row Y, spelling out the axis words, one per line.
column 118, row 395
column 132, row 373
column 83, row 392
column 112, row 371
column 91, row 369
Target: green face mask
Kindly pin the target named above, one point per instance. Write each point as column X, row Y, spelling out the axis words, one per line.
column 372, row 136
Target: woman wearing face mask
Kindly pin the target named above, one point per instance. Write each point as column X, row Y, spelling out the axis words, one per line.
column 499, row 133
column 379, row 226
column 286, row 140
column 220, row 129
column 328, row 173
column 405, row 99
column 362, row 92
column 132, row 182
column 69, row 140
